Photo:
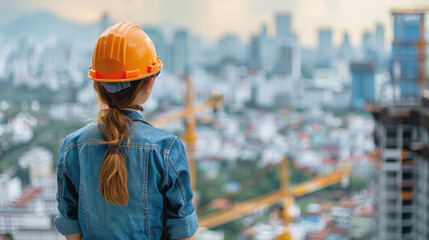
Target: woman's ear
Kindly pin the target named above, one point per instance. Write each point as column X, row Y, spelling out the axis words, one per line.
column 150, row 84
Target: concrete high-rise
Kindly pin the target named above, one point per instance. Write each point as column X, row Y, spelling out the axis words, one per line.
column 402, row 138
column 402, row 182
column 421, row 152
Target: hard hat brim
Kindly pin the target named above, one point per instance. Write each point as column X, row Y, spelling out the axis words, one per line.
column 125, row 79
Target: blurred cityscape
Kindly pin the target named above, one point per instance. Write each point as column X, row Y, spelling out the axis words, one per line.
column 324, row 107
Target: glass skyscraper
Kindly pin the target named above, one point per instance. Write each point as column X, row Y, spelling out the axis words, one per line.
column 404, row 51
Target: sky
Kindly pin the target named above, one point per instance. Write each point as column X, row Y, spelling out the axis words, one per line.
column 215, row 18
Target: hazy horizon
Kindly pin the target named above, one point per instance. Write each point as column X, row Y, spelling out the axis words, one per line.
column 243, row 18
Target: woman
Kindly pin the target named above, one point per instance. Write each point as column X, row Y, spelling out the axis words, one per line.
column 120, row 177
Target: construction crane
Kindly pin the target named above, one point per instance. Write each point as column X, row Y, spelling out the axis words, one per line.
column 190, row 136
column 244, row 208
column 284, row 194
column 421, row 45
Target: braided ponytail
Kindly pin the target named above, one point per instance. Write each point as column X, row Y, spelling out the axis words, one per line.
column 114, row 127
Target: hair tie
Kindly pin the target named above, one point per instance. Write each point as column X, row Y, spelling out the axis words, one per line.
column 113, row 148
column 114, row 106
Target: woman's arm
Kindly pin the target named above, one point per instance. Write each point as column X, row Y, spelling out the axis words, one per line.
column 182, row 221
column 76, row 236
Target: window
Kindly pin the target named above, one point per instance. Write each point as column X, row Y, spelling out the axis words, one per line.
column 391, row 160
column 407, row 134
column 406, row 229
column 391, row 133
column 407, row 175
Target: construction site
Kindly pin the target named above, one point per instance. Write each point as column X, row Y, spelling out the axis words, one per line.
column 283, row 141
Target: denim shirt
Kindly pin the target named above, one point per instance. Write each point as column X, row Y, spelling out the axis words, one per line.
column 159, row 205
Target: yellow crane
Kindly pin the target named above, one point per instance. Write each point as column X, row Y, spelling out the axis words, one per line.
column 190, row 136
column 284, row 194
column 239, row 210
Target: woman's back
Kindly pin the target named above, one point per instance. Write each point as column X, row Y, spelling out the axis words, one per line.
column 158, row 185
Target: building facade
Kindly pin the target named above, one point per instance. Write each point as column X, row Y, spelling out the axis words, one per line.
column 402, row 172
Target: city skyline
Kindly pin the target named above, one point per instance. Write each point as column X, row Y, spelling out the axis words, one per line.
column 245, row 18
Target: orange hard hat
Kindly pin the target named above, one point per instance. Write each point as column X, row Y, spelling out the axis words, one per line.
column 123, row 53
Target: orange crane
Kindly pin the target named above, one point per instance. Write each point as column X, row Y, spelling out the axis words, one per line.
column 284, row 194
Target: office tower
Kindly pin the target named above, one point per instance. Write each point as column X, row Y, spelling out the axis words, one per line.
column 368, row 46
column 363, row 87
column 284, row 60
column 268, row 50
column 379, row 41
column 367, row 40
column 406, row 37
column 160, row 45
column 345, row 51
column 105, row 22
column 286, row 54
column 254, row 55
column 325, row 48
column 283, row 23
column 180, row 62
column 229, row 48
column 288, row 59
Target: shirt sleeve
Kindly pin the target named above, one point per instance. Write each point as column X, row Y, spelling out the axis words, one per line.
column 182, row 222
column 66, row 222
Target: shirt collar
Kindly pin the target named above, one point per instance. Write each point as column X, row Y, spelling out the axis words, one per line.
column 135, row 115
